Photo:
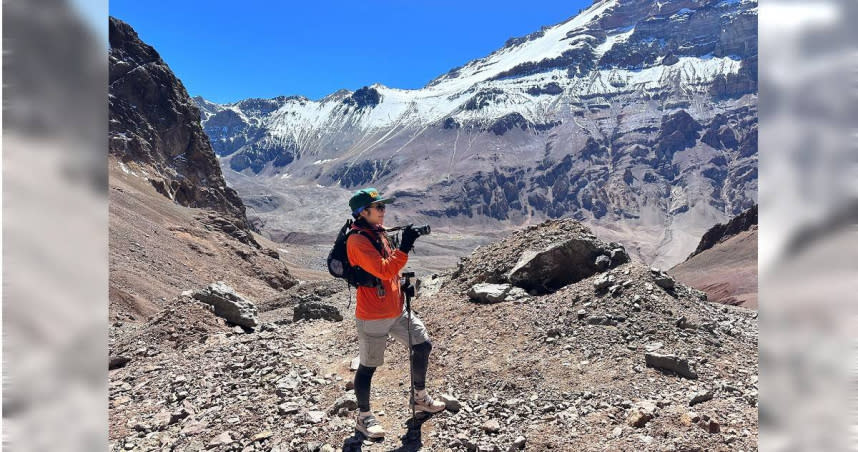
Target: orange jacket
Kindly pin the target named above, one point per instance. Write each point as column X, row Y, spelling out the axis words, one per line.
column 371, row 306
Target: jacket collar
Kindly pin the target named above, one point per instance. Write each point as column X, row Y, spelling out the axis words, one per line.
column 361, row 223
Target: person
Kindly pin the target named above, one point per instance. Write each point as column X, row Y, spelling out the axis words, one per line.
column 380, row 311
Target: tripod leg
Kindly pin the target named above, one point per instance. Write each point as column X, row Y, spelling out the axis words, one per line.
column 410, row 356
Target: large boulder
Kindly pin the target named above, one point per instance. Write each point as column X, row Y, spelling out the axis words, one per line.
column 228, row 304
column 558, row 265
column 540, row 258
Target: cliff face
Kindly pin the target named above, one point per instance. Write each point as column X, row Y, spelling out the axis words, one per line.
column 174, row 224
column 155, row 127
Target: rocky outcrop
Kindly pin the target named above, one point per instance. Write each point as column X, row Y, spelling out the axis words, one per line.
column 361, row 173
column 562, row 263
column 228, row 304
column 540, row 259
column 155, row 124
column 365, row 97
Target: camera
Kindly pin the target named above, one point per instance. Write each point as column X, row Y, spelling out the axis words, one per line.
column 422, row 230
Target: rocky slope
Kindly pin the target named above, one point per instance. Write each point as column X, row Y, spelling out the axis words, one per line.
column 635, row 117
column 621, row 359
column 174, row 224
column 724, row 265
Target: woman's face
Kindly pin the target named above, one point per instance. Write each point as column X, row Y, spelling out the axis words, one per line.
column 374, row 214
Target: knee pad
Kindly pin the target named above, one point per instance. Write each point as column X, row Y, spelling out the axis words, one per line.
column 422, row 348
column 363, row 370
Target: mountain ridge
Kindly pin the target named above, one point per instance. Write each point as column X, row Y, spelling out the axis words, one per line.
column 622, row 113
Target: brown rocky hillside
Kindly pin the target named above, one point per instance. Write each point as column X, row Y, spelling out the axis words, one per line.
column 623, row 358
column 724, row 265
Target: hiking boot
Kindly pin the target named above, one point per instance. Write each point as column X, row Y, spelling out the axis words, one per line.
column 369, row 426
column 426, row 404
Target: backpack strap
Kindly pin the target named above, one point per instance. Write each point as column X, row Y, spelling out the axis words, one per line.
column 376, row 241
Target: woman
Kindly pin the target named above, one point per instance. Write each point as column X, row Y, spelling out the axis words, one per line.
column 380, row 310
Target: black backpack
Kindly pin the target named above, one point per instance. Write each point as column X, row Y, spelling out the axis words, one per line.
column 338, row 259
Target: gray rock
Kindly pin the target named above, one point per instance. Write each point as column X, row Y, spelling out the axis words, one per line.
column 314, row 417
column 670, row 362
column 354, row 364
column 662, row 279
column 222, row 439
column 602, row 282
column 269, row 327
column 683, row 323
column 615, row 290
column 700, row 397
column 491, row 426
column 601, row 320
column 228, row 304
column 603, row 262
column 347, row 401
column 288, row 408
column 312, row 310
column 557, row 265
column 489, row 293
column 519, row 442
column 619, row 256
column 517, row 293
column 286, row 385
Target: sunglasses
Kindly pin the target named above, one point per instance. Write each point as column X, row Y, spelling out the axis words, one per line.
column 377, row 206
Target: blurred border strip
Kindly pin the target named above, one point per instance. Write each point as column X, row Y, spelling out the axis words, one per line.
column 808, row 216
column 55, row 216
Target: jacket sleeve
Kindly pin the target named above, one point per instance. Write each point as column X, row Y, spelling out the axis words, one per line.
column 363, row 254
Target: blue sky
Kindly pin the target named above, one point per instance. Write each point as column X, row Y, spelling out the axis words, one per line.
column 228, row 50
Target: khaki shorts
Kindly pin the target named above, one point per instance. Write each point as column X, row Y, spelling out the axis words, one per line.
column 372, row 336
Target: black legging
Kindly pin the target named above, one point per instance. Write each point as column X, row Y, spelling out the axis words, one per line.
column 419, row 365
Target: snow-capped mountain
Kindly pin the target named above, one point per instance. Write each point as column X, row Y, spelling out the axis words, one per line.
column 637, row 116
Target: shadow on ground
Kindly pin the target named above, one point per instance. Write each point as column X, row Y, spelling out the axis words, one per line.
column 412, row 440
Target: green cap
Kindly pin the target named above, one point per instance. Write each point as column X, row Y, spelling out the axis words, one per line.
column 365, row 197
